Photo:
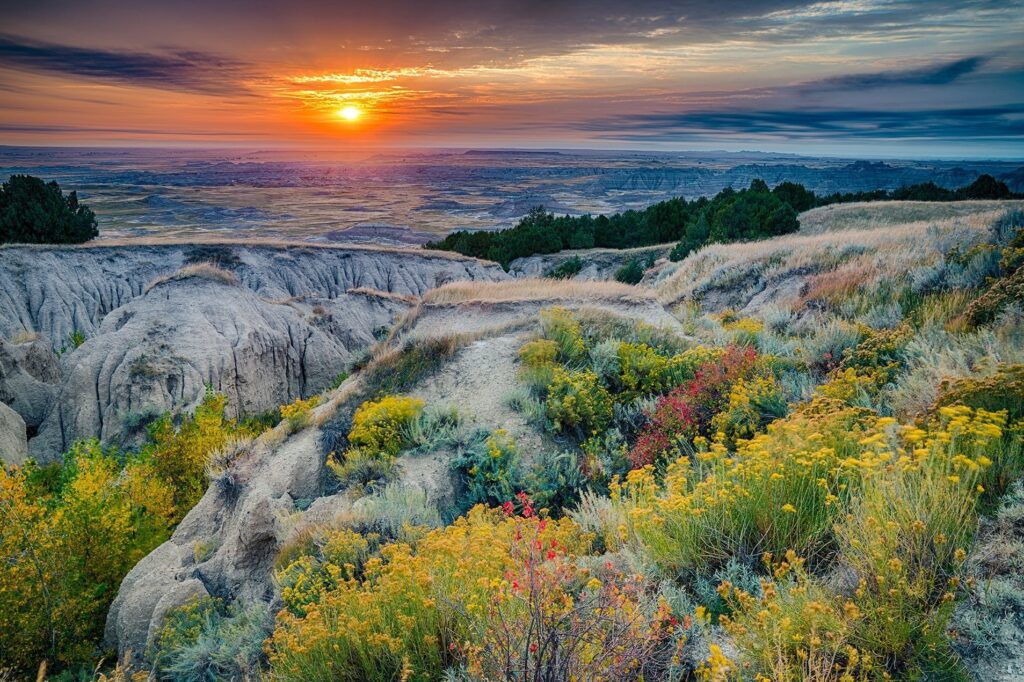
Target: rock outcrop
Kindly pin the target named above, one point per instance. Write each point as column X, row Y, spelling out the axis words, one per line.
column 597, row 264
column 281, row 323
column 29, row 373
column 13, row 442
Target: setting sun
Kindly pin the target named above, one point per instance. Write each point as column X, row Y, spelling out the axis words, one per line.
column 350, row 113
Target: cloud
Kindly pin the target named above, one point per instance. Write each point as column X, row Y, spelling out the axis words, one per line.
column 932, row 74
column 187, row 70
column 795, row 124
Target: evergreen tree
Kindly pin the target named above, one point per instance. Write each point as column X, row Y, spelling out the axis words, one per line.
column 37, row 212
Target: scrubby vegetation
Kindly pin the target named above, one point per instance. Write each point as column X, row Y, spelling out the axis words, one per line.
column 36, row 212
column 69, row 533
column 808, row 490
column 731, row 215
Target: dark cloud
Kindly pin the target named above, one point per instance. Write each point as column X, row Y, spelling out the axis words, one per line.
column 961, row 123
column 933, row 74
column 176, row 70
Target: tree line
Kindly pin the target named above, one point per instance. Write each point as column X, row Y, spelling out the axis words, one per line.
column 756, row 212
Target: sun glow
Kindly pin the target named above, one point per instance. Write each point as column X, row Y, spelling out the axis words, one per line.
column 350, row 113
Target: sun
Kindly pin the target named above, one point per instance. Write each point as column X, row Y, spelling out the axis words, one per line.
column 350, row 113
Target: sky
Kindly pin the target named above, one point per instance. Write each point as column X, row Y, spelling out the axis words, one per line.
column 934, row 78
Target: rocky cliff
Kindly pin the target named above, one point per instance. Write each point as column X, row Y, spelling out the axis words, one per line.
column 263, row 324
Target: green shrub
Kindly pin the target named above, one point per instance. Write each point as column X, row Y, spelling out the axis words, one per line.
column 202, row 640
column 556, row 481
column 488, row 471
column 567, row 269
column 560, row 326
column 36, row 212
column 358, row 468
column 578, row 403
column 1002, row 390
column 630, row 273
column 417, row 358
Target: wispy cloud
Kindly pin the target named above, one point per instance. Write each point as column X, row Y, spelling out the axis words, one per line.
column 932, row 74
column 796, row 124
column 187, row 70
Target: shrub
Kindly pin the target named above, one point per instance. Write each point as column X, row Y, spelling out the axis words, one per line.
column 879, row 354
column 396, row 371
column 753, row 404
column 1002, row 390
column 180, row 455
column 556, row 481
column 906, row 534
column 331, row 555
column 395, row 513
column 363, row 469
column 630, row 273
column 687, row 411
column 67, row 540
column 604, row 360
column 560, row 326
column 537, row 364
column 36, row 212
column 643, row 371
column 567, row 269
column 488, row 471
column 546, row 621
column 379, row 427
column 794, row 631
column 412, row 608
column 202, row 640
column 297, row 414
column 781, row 489
column 577, row 403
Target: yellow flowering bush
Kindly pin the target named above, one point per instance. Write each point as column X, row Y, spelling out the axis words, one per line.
column 778, row 490
column 907, row 531
column 753, row 403
column 411, row 610
column 643, row 371
column 297, row 413
column 795, row 630
column 66, row 544
column 180, row 455
column 378, row 426
column 578, row 403
column 562, row 327
column 537, row 363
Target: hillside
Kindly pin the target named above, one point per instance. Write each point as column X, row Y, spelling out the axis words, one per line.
column 800, row 434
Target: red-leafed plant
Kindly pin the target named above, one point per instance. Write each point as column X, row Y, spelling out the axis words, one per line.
column 550, row 620
column 687, row 410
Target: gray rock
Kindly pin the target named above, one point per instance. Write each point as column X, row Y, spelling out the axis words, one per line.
column 158, row 353
column 243, row 529
column 55, row 290
column 13, row 441
column 286, row 330
column 598, row 264
column 28, row 372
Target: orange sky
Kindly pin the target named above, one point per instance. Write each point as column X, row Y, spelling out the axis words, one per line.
column 648, row 73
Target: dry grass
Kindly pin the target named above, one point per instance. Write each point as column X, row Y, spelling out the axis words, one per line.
column 204, row 270
column 538, row 289
column 841, row 283
column 889, row 252
column 251, row 243
column 880, row 214
column 24, row 336
column 377, row 293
